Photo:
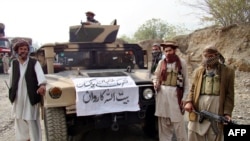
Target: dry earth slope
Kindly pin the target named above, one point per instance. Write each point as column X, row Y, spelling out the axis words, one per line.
column 234, row 43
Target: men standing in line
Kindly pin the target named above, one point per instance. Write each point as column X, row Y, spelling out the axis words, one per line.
column 27, row 86
column 171, row 84
column 212, row 90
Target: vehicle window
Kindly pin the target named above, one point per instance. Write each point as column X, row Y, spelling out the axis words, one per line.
column 115, row 59
column 4, row 44
column 96, row 59
column 73, row 59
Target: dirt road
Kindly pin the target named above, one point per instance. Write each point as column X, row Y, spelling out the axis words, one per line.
column 241, row 114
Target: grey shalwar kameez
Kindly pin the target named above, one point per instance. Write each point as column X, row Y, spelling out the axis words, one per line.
column 221, row 104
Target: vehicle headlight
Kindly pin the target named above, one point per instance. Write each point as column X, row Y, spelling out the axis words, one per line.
column 148, row 93
column 55, row 92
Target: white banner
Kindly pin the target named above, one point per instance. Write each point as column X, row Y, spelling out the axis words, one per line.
column 100, row 95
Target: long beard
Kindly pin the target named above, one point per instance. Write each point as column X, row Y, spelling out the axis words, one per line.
column 171, row 58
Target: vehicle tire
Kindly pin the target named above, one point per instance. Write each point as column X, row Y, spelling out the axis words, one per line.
column 55, row 124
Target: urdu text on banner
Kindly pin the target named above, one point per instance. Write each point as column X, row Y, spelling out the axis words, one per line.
column 100, row 95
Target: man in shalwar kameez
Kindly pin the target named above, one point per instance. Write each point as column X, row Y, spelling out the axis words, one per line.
column 171, row 84
column 27, row 85
column 212, row 90
column 6, row 61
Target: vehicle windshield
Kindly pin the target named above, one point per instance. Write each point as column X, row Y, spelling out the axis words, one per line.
column 96, row 59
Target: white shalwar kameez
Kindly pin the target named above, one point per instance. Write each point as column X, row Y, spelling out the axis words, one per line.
column 167, row 107
column 27, row 117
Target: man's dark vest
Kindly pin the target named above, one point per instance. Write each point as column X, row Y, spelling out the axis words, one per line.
column 31, row 82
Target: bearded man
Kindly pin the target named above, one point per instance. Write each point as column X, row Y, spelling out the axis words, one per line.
column 156, row 56
column 27, row 85
column 212, row 90
column 90, row 19
column 171, row 84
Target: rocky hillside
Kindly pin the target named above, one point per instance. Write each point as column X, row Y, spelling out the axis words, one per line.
column 232, row 41
column 234, row 44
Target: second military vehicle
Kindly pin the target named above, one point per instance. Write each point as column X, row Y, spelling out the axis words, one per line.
column 4, row 42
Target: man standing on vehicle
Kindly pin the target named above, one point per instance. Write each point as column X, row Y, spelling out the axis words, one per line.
column 27, row 86
column 212, row 90
column 171, row 84
column 90, row 19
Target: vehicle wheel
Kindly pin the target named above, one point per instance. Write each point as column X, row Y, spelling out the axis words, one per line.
column 55, row 124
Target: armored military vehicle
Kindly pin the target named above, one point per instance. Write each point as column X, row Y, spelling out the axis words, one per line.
column 95, row 82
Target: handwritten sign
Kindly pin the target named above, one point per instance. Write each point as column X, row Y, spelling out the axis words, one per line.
column 100, row 95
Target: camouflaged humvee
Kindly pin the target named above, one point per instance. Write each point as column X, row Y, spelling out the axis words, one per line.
column 95, row 82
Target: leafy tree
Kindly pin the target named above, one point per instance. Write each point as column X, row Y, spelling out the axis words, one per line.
column 174, row 30
column 152, row 29
column 157, row 29
column 224, row 12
